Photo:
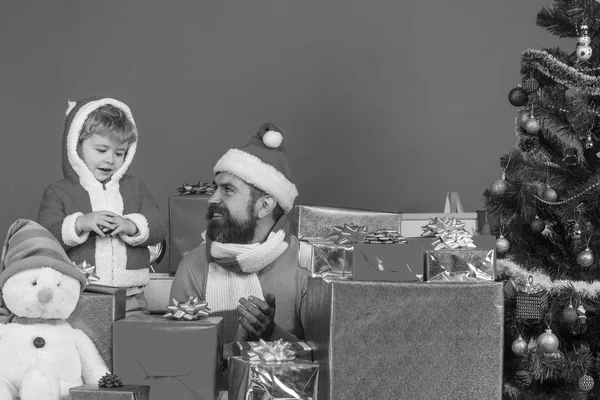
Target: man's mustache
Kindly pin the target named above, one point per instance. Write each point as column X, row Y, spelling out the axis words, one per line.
column 216, row 209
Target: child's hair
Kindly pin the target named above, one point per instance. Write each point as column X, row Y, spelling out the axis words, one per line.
column 111, row 121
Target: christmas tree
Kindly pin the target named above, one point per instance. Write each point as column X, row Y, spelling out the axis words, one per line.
column 545, row 211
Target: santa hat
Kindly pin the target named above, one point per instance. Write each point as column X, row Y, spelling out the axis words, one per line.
column 29, row 245
column 263, row 163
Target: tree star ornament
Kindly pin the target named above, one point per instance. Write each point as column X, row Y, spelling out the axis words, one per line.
column 349, row 234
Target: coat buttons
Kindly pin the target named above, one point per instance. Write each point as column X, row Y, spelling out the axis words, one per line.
column 39, row 342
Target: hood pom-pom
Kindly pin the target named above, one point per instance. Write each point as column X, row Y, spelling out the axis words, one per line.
column 272, row 139
column 72, row 105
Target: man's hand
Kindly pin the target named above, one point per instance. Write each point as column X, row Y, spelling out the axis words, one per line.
column 123, row 225
column 257, row 316
column 97, row 221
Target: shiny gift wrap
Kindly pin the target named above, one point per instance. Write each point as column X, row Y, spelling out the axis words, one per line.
column 97, row 309
column 179, row 360
column 323, row 257
column 532, row 301
column 126, row 392
column 318, row 221
column 272, row 380
column 299, row 349
column 460, row 265
column 397, row 340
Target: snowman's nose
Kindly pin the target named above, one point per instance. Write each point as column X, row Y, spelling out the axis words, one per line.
column 45, row 295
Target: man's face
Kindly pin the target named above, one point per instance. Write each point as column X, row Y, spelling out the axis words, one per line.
column 231, row 216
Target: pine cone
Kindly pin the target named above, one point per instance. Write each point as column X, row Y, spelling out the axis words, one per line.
column 110, row 380
column 523, row 378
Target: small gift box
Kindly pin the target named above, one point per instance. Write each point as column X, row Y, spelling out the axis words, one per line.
column 301, row 349
column 323, row 257
column 532, row 301
column 125, row 392
column 317, row 221
column 271, row 370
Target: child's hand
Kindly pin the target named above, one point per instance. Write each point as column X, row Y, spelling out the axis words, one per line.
column 123, row 225
column 97, row 221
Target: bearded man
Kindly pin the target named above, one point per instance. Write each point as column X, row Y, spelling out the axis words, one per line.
column 247, row 266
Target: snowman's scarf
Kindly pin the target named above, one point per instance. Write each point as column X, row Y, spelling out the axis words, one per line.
column 33, row 321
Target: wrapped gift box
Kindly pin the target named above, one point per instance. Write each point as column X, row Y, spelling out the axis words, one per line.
column 157, row 292
column 273, row 380
column 460, row 264
column 388, row 262
column 394, row 340
column 318, row 221
column 302, row 350
column 125, row 392
column 323, row 257
column 177, row 359
column 187, row 221
column 97, row 309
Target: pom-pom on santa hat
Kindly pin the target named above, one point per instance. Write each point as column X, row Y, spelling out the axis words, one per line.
column 28, row 245
column 263, row 163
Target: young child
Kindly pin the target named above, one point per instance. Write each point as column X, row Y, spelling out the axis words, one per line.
column 99, row 213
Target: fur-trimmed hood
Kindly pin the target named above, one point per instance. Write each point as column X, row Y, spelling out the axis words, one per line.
column 74, row 168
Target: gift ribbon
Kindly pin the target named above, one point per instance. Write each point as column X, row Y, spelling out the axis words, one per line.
column 189, row 310
column 89, row 271
column 199, row 188
column 450, row 233
column 271, row 351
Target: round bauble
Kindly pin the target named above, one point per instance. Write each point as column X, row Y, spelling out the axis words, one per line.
column 518, row 97
column 585, row 258
column 584, row 52
column 571, row 156
column 550, row 195
column 532, row 125
column 499, row 187
column 538, row 225
column 502, row 245
column 586, row 383
column 547, row 342
column 522, row 117
column 519, row 346
column 569, row 315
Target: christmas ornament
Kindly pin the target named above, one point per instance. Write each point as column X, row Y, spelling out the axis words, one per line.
column 581, row 314
column 571, row 156
column 523, row 378
column 110, row 380
column 499, row 187
column 547, row 342
column 550, row 195
column 532, row 301
column 522, row 117
column 589, row 143
column 519, row 346
column 569, row 315
column 585, row 258
column 518, row 97
column 584, row 51
column 576, row 232
column 532, row 125
column 530, row 85
column 502, row 245
column 586, row 383
column 538, row 225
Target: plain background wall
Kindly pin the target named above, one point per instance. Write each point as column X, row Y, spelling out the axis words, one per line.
column 383, row 104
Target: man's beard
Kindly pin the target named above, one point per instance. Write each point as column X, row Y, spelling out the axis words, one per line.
column 229, row 230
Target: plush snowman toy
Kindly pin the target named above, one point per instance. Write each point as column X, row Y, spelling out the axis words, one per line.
column 41, row 355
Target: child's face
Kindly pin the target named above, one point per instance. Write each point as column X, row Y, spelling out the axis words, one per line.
column 102, row 155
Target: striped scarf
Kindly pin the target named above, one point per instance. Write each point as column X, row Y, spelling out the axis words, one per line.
column 233, row 268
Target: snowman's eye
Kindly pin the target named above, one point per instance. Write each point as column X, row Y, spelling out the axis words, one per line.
column 34, row 283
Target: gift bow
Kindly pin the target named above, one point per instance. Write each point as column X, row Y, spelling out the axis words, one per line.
column 450, row 233
column 349, row 234
column 199, row 188
column 188, row 310
column 271, row 351
column 89, row 271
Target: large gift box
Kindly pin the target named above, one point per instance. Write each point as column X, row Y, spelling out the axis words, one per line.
column 272, row 370
column 187, row 221
column 406, row 340
column 179, row 360
column 125, row 392
column 97, row 309
column 317, row 221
